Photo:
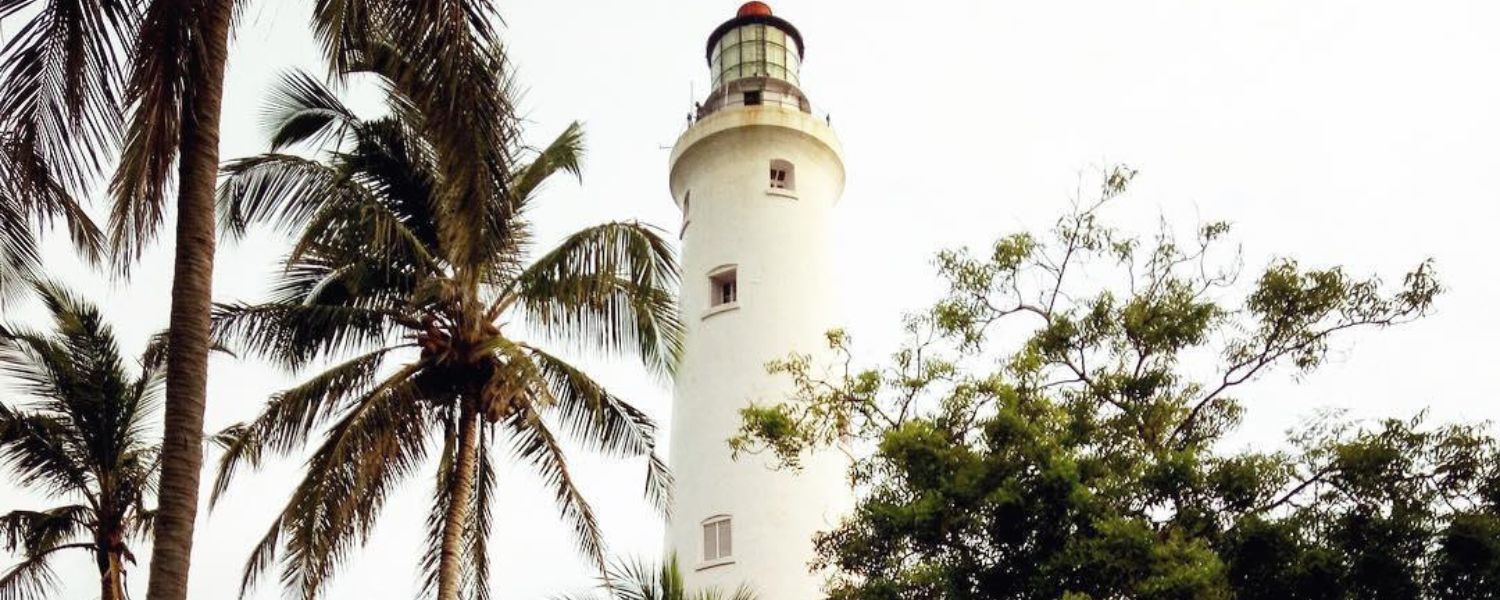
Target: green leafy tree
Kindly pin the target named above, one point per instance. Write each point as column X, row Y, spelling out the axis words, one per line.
column 636, row 580
column 83, row 437
column 1054, row 428
column 434, row 319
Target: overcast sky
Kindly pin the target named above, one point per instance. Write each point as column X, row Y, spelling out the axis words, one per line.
column 1355, row 132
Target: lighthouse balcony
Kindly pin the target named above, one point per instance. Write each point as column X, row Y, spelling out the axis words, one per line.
column 755, row 91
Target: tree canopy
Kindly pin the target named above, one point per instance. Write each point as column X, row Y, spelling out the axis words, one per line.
column 1055, row 427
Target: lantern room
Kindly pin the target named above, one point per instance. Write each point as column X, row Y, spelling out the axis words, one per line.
column 755, row 59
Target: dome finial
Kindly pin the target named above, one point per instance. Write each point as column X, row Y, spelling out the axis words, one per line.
column 754, row 9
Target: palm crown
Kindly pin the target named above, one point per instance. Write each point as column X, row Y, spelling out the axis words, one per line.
column 83, row 436
column 427, row 292
column 637, row 580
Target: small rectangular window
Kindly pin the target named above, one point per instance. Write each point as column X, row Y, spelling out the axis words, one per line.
column 752, row 98
column 726, row 289
column 783, row 175
column 718, row 539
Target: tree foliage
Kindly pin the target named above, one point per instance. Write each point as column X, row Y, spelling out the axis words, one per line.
column 60, row 111
column 426, row 305
column 1055, row 427
column 83, row 435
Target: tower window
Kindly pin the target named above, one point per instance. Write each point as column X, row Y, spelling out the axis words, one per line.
column 718, row 539
column 687, row 213
column 752, row 98
column 726, row 287
column 783, row 175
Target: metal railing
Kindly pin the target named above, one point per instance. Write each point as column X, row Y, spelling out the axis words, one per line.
column 754, row 91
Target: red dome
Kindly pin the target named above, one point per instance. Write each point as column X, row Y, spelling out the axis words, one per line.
column 754, row 9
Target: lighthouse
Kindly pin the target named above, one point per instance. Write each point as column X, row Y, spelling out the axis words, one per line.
column 756, row 176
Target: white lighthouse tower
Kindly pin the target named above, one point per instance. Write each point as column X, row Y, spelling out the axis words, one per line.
column 756, row 176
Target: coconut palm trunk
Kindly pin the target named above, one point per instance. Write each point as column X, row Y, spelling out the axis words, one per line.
column 451, row 567
column 192, row 303
column 111, row 573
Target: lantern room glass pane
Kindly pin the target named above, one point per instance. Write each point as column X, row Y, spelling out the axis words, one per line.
column 756, row 50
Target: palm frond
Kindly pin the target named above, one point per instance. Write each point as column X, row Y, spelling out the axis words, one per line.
column 603, row 421
column 31, row 200
column 508, row 231
column 165, row 59
column 42, row 451
column 283, row 190
column 31, row 579
column 142, row 523
column 92, row 419
column 612, row 287
column 138, row 474
column 292, row 415
column 371, row 205
column 263, row 556
column 79, row 322
column 20, row 250
column 393, row 161
column 635, row 579
column 365, row 455
column 534, row 443
column 303, row 111
column 331, row 280
column 446, row 71
column 64, row 87
column 39, row 365
column 344, row 28
column 294, row 334
column 33, row 531
column 563, row 155
column 239, row 444
column 154, row 358
column 365, row 233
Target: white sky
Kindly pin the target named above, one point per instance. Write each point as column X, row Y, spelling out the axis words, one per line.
column 1354, row 132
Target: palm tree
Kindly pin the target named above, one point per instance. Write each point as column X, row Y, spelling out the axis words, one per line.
column 70, row 73
column 635, row 580
column 176, row 92
column 84, row 437
column 430, row 294
column 66, row 82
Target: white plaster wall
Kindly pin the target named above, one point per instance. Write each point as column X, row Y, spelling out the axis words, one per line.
column 787, row 301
